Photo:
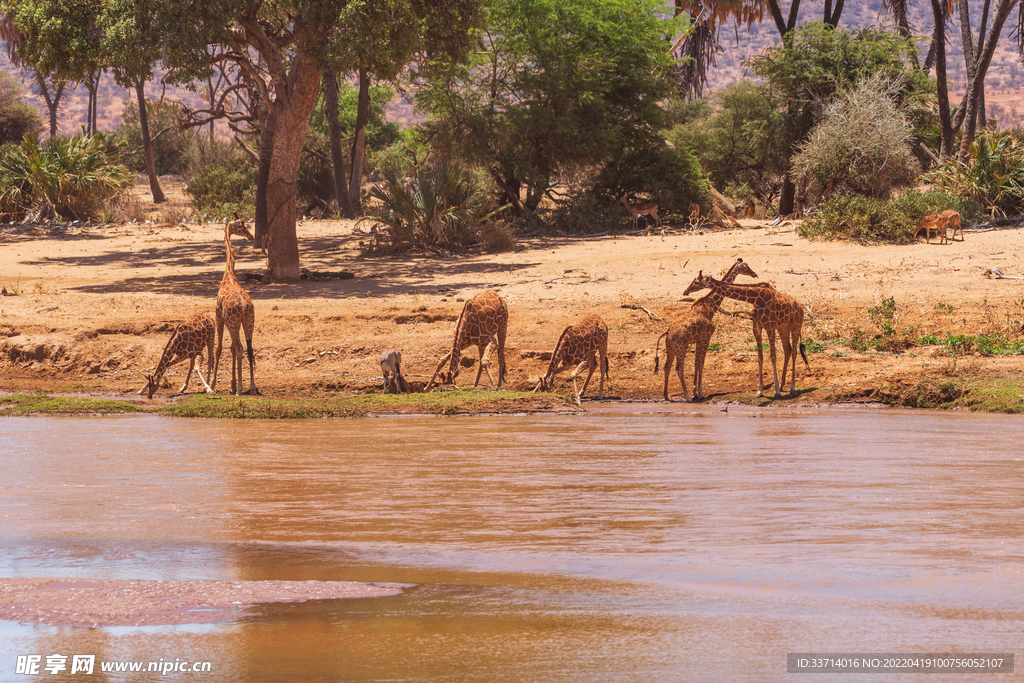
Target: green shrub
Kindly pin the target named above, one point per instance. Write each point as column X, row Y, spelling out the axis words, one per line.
column 64, row 177
column 868, row 221
column 18, row 118
column 170, row 144
column 223, row 188
column 993, row 175
column 585, row 213
column 861, row 145
column 442, row 207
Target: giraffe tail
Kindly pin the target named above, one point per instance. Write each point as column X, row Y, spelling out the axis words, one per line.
column 803, row 354
column 248, row 349
column 606, row 365
column 656, row 347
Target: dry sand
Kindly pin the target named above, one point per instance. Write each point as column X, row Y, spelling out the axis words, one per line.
column 95, row 306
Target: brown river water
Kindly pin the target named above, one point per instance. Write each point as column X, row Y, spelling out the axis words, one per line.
column 636, row 543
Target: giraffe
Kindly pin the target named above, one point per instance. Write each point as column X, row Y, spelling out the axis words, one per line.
column 579, row 344
column 695, row 328
column 773, row 311
column 483, row 324
column 234, row 310
column 187, row 342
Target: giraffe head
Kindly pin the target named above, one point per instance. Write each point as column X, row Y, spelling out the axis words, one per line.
column 741, row 268
column 700, row 282
column 236, row 226
column 152, row 384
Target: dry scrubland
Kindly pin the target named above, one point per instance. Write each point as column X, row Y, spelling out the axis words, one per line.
column 89, row 310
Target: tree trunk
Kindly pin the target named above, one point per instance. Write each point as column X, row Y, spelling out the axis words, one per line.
column 331, row 94
column 973, row 94
column 267, row 125
column 359, row 144
column 52, row 100
column 147, row 144
column 942, row 91
column 292, row 112
column 788, row 196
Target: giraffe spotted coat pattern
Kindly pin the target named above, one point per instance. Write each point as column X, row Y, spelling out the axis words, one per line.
column 235, row 311
column 483, row 324
column 188, row 341
column 694, row 328
column 580, row 344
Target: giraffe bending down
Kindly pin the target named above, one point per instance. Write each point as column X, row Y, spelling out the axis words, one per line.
column 773, row 311
column 694, row 328
column 579, row 345
column 483, row 324
column 644, row 209
column 188, row 342
column 234, row 310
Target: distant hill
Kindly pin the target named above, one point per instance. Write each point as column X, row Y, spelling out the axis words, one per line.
column 1005, row 80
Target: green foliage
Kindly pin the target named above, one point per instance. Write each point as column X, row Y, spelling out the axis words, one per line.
column 558, row 84
column 742, row 141
column 669, row 177
column 171, row 150
column 993, row 175
column 66, row 177
column 860, row 146
column 223, row 188
column 443, row 207
column 18, row 118
column 989, row 344
column 870, row 221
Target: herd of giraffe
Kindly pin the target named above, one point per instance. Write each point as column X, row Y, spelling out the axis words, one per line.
column 484, row 324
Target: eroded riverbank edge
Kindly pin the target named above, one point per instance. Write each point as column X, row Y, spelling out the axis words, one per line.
column 991, row 394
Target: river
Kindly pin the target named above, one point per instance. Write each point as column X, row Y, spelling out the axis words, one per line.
column 636, row 543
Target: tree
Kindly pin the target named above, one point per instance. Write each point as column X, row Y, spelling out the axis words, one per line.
column 698, row 47
column 51, row 90
column 283, row 48
column 18, row 118
column 815, row 61
column 557, row 84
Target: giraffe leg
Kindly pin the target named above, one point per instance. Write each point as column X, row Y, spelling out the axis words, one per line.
column 591, row 365
column 760, row 360
column 602, row 373
column 220, row 348
column 787, row 352
column 698, row 370
column 446, row 359
column 209, row 364
column 248, row 323
column 775, row 372
column 680, row 370
column 206, row 387
column 502, row 332
column 188, row 375
column 669, row 357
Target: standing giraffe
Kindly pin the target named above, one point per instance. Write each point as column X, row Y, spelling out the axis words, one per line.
column 483, row 324
column 235, row 309
column 579, row 344
column 695, row 328
column 187, row 342
column 773, row 311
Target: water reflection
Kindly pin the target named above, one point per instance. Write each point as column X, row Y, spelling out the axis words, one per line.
column 618, row 546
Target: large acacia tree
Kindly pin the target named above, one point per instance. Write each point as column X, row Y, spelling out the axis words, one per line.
column 558, row 83
column 283, row 47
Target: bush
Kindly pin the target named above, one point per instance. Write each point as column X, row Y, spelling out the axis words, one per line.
column 223, row 188
column 64, row 177
column 867, row 220
column 669, row 177
column 861, row 146
column 443, row 207
column 171, row 146
column 18, row 118
column 993, row 176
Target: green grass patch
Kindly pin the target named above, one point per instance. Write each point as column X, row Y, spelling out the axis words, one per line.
column 994, row 344
column 981, row 394
column 462, row 401
column 22, row 404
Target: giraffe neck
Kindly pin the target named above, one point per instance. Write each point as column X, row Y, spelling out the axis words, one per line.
column 713, row 300
column 460, row 329
column 165, row 360
column 229, row 266
column 746, row 293
column 556, row 356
